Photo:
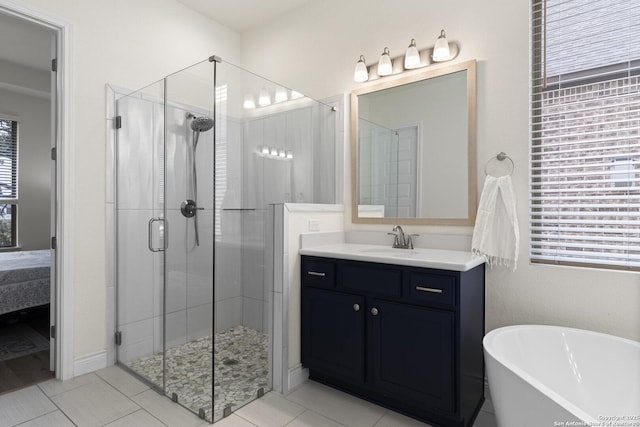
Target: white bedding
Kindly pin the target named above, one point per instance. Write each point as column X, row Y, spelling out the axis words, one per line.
column 24, row 279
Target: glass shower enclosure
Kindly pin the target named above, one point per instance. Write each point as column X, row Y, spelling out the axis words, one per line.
column 201, row 156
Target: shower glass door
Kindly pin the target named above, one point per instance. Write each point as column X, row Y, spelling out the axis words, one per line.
column 190, row 254
column 140, row 230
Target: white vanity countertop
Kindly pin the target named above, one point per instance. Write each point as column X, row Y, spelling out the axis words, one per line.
column 418, row 257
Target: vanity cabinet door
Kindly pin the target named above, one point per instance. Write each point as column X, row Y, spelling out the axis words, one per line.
column 413, row 354
column 333, row 333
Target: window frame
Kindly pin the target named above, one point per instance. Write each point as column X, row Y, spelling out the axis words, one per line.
column 13, row 201
column 541, row 248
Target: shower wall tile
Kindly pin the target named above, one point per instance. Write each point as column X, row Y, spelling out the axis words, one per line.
column 176, row 262
column 278, row 247
column 299, row 139
column 135, row 154
column 158, row 156
column 253, row 164
column 253, row 313
column 135, row 267
column 233, row 197
column 200, row 263
column 199, row 321
column 204, row 166
column 158, row 334
column 253, row 270
column 228, row 271
column 137, row 340
column 176, row 328
column 176, row 157
column 228, row 313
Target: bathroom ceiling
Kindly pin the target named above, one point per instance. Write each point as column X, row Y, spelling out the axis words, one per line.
column 30, row 44
column 242, row 15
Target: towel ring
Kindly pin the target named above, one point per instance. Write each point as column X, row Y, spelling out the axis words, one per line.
column 501, row 156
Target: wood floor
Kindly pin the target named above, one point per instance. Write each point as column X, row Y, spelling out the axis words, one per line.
column 32, row 368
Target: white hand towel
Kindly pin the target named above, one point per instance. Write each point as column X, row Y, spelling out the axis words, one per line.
column 496, row 235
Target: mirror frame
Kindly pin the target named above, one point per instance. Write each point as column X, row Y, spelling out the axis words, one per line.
column 399, row 80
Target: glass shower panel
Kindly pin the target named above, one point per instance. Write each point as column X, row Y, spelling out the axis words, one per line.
column 140, row 229
column 242, row 358
column 198, row 172
column 190, row 255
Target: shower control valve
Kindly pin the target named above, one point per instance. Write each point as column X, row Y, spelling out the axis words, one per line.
column 189, row 208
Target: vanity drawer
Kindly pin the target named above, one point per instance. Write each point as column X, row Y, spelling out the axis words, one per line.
column 374, row 280
column 318, row 273
column 432, row 288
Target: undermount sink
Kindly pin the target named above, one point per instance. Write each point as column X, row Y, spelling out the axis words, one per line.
column 419, row 257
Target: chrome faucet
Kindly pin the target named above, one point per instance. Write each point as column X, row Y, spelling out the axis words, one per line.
column 401, row 241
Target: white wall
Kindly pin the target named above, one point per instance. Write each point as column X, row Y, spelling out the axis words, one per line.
column 315, row 49
column 27, row 102
column 128, row 44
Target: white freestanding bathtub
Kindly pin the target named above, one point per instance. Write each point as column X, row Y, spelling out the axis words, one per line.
column 553, row 376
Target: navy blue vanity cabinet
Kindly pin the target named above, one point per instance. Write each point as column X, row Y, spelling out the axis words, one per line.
column 403, row 337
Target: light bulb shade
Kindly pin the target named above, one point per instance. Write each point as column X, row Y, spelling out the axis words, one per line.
column 249, row 103
column 412, row 56
column 361, row 74
column 265, row 149
column 274, row 151
column 281, row 94
column 384, row 64
column 264, row 99
column 441, row 50
column 296, row 95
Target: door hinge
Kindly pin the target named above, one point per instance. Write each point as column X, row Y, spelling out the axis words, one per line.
column 54, row 242
column 118, row 122
column 54, row 154
column 52, row 332
column 118, row 338
column 54, row 65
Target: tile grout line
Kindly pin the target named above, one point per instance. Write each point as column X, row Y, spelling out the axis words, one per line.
column 54, row 404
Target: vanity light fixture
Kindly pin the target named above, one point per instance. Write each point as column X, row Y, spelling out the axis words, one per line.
column 361, row 74
column 412, row 56
column 274, row 153
column 441, row 50
column 264, row 98
column 384, row 63
column 249, row 103
column 281, row 94
column 296, row 95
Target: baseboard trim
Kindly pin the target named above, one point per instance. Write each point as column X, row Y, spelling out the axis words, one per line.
column 297, row 376
column 89, row 363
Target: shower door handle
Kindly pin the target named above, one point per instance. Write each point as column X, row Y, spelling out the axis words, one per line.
column 165, row 235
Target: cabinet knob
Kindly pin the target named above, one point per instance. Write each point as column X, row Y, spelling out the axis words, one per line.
column 374, row 311
column 356, row 307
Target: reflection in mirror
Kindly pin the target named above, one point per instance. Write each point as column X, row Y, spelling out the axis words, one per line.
column 413, row 148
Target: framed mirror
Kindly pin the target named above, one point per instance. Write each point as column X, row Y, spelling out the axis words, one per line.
column 413, row 148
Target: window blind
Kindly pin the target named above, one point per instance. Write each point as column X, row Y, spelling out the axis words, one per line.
column 585, row 133
column 8, row 160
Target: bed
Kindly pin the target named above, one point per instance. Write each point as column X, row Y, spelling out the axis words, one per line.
column 24, row 279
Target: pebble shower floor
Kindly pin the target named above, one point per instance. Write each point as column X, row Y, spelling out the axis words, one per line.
column 241, row 368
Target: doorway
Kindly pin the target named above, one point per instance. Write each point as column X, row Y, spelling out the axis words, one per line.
column 29, row 129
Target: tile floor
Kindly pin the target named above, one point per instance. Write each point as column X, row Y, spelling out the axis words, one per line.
column 112, row 397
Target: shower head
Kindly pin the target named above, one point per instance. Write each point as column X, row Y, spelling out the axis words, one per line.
column 201, row 124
